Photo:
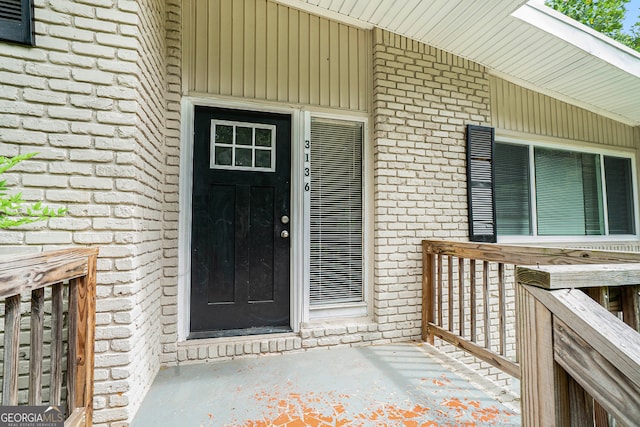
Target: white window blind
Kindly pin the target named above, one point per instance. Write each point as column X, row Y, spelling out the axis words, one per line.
column 513, row 210
column 568, row 193
column 619, row 195
column 336, row 260
column 568, row 188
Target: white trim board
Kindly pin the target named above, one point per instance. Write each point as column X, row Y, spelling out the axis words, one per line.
column 186, row 188
column 299, row 274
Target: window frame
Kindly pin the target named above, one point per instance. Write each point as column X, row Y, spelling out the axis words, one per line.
column 213, row 144
column 619, row 152
column 361, row 309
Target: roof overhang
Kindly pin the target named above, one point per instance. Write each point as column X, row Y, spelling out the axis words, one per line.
column 523, row 42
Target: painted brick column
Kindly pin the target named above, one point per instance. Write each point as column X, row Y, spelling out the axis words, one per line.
column 423, row 97
column 90, row 98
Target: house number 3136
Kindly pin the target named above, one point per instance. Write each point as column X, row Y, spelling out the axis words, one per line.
column 307, row 165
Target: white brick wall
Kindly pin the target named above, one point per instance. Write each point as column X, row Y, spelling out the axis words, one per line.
column 99, row 99
column 423, row 98
column 91, row 99
column 168, row 299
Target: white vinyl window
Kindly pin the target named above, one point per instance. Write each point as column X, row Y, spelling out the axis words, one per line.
column 547, row 191
column 336, row 220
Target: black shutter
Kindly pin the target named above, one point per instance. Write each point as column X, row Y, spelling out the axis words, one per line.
column 16, row 21
column 480, row 184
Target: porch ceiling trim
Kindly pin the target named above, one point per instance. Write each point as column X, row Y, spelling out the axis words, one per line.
column 524, row 42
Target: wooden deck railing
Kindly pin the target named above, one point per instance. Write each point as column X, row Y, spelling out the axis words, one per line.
column 579, row 362
column 468, row 295
column 25, row 278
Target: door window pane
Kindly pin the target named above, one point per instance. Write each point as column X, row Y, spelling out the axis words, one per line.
column 263, row 158
column 263, row 137
column 243, row 157
column 224, row 134
column 223, row 156
column 244, row 135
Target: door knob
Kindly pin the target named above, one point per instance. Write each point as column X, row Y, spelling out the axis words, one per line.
column 284, row 234
column 284, row 219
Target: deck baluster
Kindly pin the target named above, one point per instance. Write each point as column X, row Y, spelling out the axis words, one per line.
column 37, row 338
column 472, row 289
column 57, row 313
column 461, row 295
column 450, row 291
column 502, row 310
column 485, row 304
column 11, row 353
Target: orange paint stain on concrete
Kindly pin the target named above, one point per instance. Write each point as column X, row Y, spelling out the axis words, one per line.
column 330, row 409
column 474, row 403
column 454, row 403
column 486, row 414
column 442, row 381
column 282, row 420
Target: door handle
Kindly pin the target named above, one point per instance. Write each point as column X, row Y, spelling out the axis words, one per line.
column 284, row 234
column 284, row 219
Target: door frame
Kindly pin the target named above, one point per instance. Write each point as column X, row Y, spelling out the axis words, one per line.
column 296, row 281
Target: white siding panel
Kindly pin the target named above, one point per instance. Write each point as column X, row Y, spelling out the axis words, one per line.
column 518, row 109
column 509, row 38
column 256, row 49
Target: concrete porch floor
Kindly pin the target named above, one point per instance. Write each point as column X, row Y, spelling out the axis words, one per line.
column 387, row 385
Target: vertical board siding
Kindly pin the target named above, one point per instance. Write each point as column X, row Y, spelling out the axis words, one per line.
column 518, row 109
column 257, row 49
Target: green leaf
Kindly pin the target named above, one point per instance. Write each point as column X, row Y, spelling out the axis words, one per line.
column 14, row 210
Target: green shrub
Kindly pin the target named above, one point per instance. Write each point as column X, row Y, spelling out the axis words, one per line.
column 14, row 210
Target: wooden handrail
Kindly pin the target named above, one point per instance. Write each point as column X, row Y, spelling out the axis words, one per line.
column 526, row 255
column 32, row 273
column 572, row 350
column 469, row 277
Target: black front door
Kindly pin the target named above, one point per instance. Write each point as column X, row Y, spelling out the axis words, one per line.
column 240, row 223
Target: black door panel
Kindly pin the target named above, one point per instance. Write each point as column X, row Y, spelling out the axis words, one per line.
column 240, row 261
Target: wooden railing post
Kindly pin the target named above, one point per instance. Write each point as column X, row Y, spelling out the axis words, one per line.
column 601, row 296
column 428, row 294
column 549, row 396
column 34, row 273
column 539, row 385
column 579, row 362
column 90, row 283
column 82, row 338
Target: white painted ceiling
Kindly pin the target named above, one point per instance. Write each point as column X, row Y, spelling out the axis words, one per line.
column 524, row 42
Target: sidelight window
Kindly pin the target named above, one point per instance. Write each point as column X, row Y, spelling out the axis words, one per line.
column 336, row 220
